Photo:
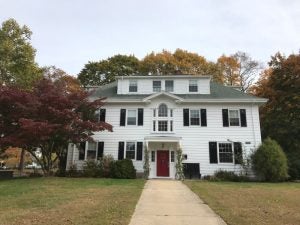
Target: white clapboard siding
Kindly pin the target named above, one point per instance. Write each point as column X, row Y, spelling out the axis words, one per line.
column 181, row 86
column 194, row 139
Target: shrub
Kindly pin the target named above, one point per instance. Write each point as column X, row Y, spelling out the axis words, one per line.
column 123, row 169
column 106, row 164
column 73, row 172
column 269, row 162
column 222, row 175
column 92, row 168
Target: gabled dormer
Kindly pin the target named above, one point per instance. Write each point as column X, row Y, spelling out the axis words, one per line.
column 176, row 84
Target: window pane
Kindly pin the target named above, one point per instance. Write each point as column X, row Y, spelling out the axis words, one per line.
column 163, row 125
column 172, row 156
column 92, row 145
column 154, row 112
column 156, row 86
column 169, row 85
column 132, row 86
column 193, row 86
column 152, row 156
column 163, row 110
column 154, row 125
column 171, row 125
column 195, row 117
column 130, row 150
column 171, row 112
column 234, row 118
column 131, row 117
column 225, row 153
column 91, row 154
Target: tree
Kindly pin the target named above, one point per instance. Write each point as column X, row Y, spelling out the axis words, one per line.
column 228, row 68
column 248, row 69
column 238, row 69
column 17, row 56
column 280, row 116
column 105, row 71
column 12, row 157
column 179, row 62
column 269, row 161
column 47, row 118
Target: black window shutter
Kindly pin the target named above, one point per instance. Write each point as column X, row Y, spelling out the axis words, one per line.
column 81, row 150
column 122, row 117
column 238, row 153
column 225, row 117
column 100, row 149
column 139, row 151
column 203, row 118
column 102, row 115
column 186, row 117
column 243, row 118
column 140, row 117
column 121, row 150
column 213, row 152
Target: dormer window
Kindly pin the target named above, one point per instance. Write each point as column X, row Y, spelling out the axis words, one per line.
column 156, row 85
column 169, row 85
column 193, row 86
column 132, row 86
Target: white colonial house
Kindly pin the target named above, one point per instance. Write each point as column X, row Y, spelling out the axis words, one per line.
column 212, row 124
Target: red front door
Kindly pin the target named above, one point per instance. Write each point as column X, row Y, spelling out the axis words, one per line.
column 162, row 164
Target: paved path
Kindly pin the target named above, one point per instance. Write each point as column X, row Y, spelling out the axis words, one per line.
column 165, row 202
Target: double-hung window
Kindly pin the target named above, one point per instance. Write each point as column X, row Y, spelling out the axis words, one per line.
column 195, row 117
column 91, row 151
column 193, row 86
column 156, row 85
column 225, row 153
column 234, row 118
column 131, row 117
column 169, row 85
column 130, row 150
column 133, row 86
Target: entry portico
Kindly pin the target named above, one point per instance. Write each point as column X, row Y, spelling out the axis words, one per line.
column 162, row 150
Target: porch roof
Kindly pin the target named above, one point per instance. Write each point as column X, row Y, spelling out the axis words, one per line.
column 162, row 139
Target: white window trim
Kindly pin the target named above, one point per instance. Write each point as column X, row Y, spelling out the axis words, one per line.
column 133, row 81
column 235, row 109
column 156, row 118
column 191, row 117
column 160, row 86
column 232, row 149
column 166, row 86
column 197, row 86
column 135, row 150
column 87, row 148
column 136, row 117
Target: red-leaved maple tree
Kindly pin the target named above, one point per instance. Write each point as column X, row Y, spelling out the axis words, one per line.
column 47, row 119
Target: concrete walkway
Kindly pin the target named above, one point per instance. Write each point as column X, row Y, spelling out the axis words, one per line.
column 171, row 202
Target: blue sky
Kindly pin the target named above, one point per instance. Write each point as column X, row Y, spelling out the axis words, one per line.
column 69, row 33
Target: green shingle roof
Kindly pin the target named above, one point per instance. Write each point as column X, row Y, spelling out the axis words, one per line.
column 217, row 91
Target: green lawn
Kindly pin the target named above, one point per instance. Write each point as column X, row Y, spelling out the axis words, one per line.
column 251, row 203
column 68, row 201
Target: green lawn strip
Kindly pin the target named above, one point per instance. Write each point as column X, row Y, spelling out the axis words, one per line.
column 251, row 203
column 69, row 200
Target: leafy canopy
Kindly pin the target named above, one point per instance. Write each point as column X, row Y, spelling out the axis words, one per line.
column 280, row 116
column 48, row 117
column 17, row 56
column 269, row 161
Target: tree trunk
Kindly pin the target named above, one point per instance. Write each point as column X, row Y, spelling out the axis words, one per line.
column 21, row 164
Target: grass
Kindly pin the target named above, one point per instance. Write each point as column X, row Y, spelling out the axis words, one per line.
column 68, row 201
column 251, row 203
